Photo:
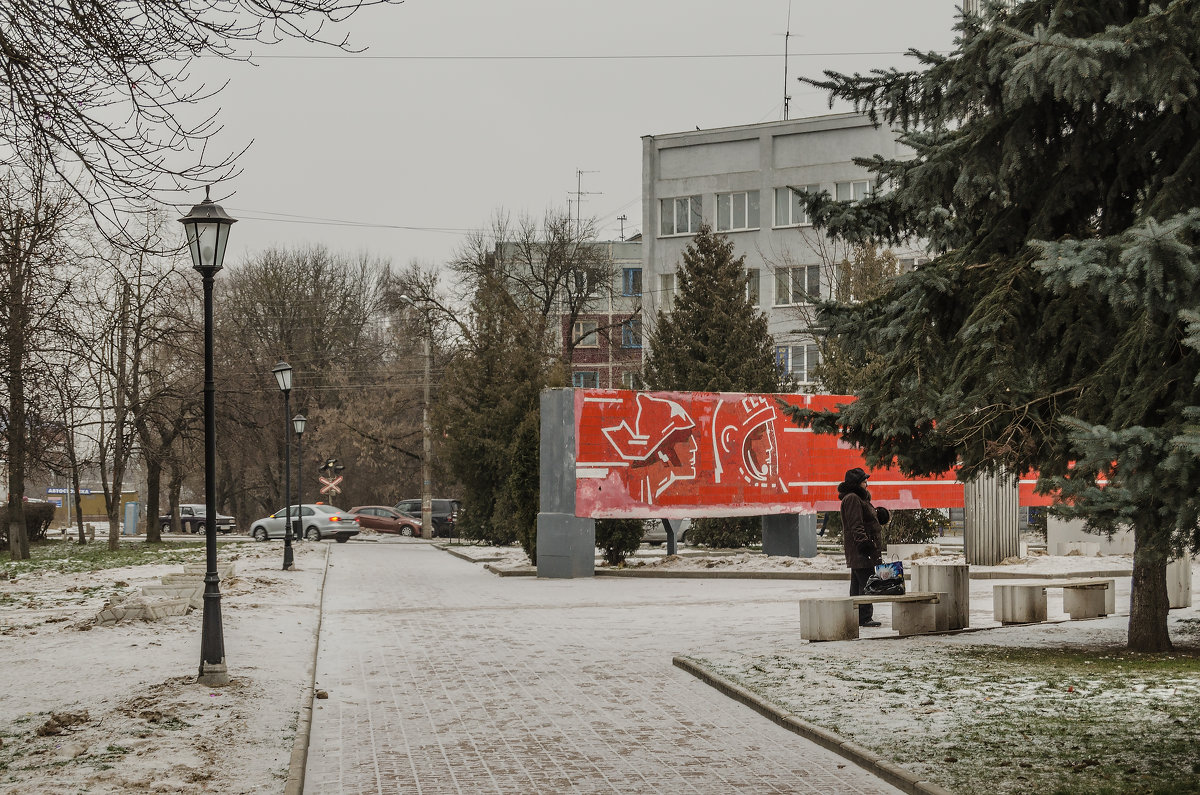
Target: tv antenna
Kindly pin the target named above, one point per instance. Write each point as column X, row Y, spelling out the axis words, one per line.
column 579, row 194
column 622, row 218
column 787, row 34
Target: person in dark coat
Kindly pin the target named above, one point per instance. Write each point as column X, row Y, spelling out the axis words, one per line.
column 862, row 537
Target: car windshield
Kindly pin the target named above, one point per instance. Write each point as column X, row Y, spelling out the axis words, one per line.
column 326, row 509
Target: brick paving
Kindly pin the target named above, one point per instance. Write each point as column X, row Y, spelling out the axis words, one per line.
column 443, row 678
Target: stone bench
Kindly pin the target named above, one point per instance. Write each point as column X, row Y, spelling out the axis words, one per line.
column 193, row 593
column 1090, row 597
column 836, row 618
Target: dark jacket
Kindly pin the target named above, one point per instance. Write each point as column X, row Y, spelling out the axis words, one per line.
column 862, row 535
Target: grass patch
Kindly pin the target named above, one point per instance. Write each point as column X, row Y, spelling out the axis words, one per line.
column 989, row 719
column 65, row 557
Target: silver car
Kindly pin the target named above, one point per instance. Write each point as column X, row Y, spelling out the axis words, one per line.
column 318, row 521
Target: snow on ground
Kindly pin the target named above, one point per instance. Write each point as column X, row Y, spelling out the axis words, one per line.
column 134, row 719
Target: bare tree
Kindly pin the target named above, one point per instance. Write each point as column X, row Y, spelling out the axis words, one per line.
column 105, row 89
column 36, row 218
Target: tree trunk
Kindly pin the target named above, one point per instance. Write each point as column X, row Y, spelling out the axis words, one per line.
column 1148, row 598
column 78, row 499
column 153, row 490
column 119, row 404
column 174, row 487
column 18, row 539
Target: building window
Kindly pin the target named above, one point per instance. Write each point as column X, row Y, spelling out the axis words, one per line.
column 737, row 211
column 797, row 285
column 585, row 379
column 851, row 191
column 666, row 291
column 631, row 332
column 629, row 380
column 789, row 206
column 797, row 361
column 584, row 335
column 631, row 281
column 680, row 216
column 753, row 290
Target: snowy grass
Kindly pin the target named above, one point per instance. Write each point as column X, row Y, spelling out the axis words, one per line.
column 983, row 717
column 68, row 556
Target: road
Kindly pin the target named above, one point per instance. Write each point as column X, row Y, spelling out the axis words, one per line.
column 444, row 678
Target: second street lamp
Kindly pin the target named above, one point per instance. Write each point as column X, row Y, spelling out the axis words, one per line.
column 207, row 227
column 298, row 423
column 283, row 375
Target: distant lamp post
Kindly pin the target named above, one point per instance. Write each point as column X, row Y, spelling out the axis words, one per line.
column 207, row 229
column 283, row 375
column 298, row 423
column 427, row 530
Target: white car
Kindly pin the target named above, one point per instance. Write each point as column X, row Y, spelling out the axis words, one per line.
column 318, row 521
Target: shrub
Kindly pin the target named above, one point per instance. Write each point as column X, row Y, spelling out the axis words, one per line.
column 726, row 531
column 38, row 516
column 618, row 538
column 916, row 526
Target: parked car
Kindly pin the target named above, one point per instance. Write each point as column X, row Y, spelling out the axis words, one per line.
column 386, row 520
column 655, row 534
column 445, row 513
column 192, row 520
column 318, row 521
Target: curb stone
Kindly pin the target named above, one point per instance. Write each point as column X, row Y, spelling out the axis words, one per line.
column 299, row 760
column 868, row 760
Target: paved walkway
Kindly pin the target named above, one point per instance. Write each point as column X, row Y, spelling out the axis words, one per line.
column 443, row 678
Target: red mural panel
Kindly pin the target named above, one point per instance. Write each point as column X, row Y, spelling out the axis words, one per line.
column 687, row 454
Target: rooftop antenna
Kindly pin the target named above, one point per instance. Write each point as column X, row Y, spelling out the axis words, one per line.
column 579, row 194
column 622, row 218
column 787, row 34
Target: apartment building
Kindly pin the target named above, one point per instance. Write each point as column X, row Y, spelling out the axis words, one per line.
column 745, row 182
column 607, row 335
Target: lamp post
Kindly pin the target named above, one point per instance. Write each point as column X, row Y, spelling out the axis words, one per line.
column 298, row 423
column 207, row 228
column 283, row 375
column 426, row 430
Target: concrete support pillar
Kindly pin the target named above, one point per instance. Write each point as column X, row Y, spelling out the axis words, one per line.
column 566, row 543
column 790, row 535
column 990, row 532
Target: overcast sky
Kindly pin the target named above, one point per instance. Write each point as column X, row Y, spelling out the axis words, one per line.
column 459, row 108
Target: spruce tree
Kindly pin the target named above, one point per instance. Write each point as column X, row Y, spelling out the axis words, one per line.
column 1056, row 171
column 715, row 340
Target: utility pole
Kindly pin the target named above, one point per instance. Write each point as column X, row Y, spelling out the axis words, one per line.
column 622, row 218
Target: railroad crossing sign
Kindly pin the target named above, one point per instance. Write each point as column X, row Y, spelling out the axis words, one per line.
column 332, row 470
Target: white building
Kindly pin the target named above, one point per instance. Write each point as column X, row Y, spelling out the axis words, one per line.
column 743, row 180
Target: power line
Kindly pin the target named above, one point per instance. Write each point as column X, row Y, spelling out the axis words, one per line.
column 633, row 57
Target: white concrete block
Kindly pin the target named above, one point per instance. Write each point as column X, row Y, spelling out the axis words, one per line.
column 828, row 619
column 1086, row 601
column 1019, row 604
column 952, row 579
column 1179, row 582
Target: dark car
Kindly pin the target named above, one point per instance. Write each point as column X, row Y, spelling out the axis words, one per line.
column 192, row 520
column 383, row 519
column 445, row 512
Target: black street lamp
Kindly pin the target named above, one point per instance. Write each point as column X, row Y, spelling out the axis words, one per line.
column 298, row 423
column 283, row 374
column 207, row 229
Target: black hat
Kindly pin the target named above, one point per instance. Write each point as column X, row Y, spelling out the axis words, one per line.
column 856, row 476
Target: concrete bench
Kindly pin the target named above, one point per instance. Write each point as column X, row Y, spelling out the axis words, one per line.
column 836, row 618
column 1084, row 597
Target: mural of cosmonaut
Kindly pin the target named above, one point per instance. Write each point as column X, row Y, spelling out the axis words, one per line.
column 745, row 444
column 660, row 446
